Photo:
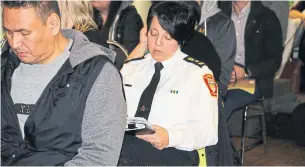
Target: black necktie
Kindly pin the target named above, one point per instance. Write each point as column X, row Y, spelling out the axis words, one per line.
column 146, row 99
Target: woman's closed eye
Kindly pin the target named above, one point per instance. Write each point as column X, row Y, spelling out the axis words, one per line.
column 168, row 37
column 153, row 32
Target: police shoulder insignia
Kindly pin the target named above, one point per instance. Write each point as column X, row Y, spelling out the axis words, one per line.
column 135, row 59
column 194, row 61
column 211, row 84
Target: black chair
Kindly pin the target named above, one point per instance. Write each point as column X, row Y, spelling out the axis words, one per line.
column 255, row 109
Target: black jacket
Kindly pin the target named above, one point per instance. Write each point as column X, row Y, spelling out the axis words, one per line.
column 44, row 143
column 126, row 27
column 263, row 44
column 200, row 48
column 127, row 31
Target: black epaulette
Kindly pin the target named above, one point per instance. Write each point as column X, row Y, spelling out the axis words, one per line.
column 194, row 61
column 135, row 59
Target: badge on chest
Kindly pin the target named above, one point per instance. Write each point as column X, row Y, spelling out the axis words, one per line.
column 174, row 91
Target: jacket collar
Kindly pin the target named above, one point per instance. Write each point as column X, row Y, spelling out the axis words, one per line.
column 8, row 57
column 255, row 9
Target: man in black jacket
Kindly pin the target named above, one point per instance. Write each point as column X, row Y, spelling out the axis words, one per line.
column 259, row 50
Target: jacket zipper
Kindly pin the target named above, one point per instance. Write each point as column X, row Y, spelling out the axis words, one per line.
column 10, row 103
column 15, row 155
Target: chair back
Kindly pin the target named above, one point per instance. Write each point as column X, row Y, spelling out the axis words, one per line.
column 121, row 53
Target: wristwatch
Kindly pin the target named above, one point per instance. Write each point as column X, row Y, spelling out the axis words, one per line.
column 247, row 73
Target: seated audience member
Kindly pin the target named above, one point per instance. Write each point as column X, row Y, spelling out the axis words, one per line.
column 220, row 30
column 61, row 97
column 161, row 87
column 296, row 13
column 79, row 16
column 198, row 46
column 118, row 21
column 258, row 54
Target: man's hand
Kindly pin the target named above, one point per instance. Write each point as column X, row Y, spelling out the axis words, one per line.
column 159, row 139
column 237, row 74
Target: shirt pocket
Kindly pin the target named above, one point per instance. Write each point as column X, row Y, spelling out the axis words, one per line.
column 176, row 105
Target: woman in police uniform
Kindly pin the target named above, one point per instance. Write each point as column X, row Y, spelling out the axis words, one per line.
column 174, row 92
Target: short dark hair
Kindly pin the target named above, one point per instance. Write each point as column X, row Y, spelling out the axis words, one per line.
column 44, row 8
column 178, row 19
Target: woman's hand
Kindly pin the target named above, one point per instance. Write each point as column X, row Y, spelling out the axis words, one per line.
column 143, row 37
column 160, row 139
column 141, row 47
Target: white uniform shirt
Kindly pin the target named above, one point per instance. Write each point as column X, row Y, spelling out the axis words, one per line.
column 185, row 103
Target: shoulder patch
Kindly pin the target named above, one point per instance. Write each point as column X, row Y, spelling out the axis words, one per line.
column 135, row 59
column 211, row 84
column 194, row 61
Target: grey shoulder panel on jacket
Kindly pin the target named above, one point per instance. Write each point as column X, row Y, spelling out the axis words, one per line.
column 220, row 20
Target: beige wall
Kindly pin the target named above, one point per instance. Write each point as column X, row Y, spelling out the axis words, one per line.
column 142, row 8
column 1, row 26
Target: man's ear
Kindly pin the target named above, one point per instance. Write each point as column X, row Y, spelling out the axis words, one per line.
column 53, row 22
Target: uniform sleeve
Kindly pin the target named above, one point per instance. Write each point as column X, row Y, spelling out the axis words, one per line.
column 104, row 122
column 200, row 128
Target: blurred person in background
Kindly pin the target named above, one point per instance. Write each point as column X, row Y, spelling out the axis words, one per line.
column 258, row 53
column 296, row 12
column 118, row 21
column 220, row 30
column 78, row 15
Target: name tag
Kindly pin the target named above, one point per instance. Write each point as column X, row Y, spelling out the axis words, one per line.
column 25, row 109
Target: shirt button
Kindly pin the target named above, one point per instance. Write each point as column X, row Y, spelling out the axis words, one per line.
column 238, row 21
column 237, row 34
